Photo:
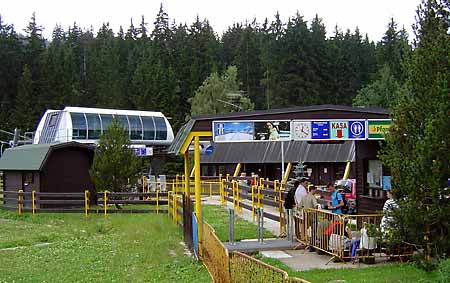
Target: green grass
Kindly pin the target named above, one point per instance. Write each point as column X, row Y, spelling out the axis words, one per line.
column 395, row 272
column 217, row 217
column 118, row 248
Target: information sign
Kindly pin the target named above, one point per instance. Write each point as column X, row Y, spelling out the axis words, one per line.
column 339, row 130
column 357, row 129
column 378, row 128
column 320, row 130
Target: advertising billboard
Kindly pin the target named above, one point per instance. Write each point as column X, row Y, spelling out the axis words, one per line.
column 235, row 131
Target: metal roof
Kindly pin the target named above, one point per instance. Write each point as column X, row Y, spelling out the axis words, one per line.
column 270, row 152
column 181, row 136
column 294, row 109
column 31, row 157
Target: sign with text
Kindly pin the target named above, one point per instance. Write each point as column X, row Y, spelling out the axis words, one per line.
column 320, row 130
column 339, row 130
column 235, row 131
column 377, row 129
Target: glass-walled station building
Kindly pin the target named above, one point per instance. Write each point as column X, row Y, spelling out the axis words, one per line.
column 85, row 125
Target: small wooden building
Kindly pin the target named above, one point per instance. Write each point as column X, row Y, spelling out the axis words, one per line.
column 49, row 168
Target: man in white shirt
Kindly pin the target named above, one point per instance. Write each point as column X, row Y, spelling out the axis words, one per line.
column 300, row 192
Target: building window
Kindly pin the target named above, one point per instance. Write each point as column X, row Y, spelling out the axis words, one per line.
column 53, row 118
column 106, row 121
column 123, row 120
column 135, row 127
column 375, row 174
column 161, row 129
column 79, row 126
column 149, row 128
column 94, row 126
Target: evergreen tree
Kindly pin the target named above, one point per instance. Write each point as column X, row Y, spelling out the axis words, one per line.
column 34, row 58
column 11, row 60
column 114, row 161
column 418, row 145
column 24, row 102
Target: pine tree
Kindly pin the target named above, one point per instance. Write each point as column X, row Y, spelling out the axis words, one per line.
column 114, row 161
column 418, row 145
column 11, row 60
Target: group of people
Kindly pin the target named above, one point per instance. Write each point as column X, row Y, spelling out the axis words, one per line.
column 299, row 197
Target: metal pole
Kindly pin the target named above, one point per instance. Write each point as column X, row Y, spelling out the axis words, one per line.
column 282, row 158
column 198, row 200
column 231, row 226
column 290, row 225
column 260, row 224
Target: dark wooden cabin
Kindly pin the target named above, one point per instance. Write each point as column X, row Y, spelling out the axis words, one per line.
column 49, row 168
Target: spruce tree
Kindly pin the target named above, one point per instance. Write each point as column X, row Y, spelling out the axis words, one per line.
column 418, row 145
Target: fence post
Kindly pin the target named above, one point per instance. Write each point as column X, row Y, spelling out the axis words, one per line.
column 231, row 226
column 253, row 203
column 19, row 199
column 33, row 206
column 260, row 225
column 175, row 216
column 222, row 192
column 105, row 202
column 86, row 202
column 157, row 201
column 210, row 189
column 168, row 204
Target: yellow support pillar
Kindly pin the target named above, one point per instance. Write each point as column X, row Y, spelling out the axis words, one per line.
column 347, row 171
column 287, row 173
column 198, row 208
column 237, row 170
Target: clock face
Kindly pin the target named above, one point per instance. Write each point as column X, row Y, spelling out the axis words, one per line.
column 302, row 130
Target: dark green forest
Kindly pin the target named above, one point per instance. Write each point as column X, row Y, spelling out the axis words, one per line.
column 159, row 65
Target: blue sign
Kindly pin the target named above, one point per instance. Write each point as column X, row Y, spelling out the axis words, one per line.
column 357, row 129
column 140, row 151
column 387, row 183
column 320, row 130
column 233, row 131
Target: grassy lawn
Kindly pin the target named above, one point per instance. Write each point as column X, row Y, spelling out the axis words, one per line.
column 217, row 217
column 118, row 248
column 387, row 273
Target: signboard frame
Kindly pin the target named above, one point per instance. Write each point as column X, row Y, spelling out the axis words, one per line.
column 254, row 130
column 375, row 120
column 330, row 121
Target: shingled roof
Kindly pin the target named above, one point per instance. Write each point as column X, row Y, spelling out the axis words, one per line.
column 32, row 157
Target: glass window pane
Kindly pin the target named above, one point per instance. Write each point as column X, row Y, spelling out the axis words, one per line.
column 78, row 126
column 94, row 126
column 123, row 120
column 106, row 121
column 135, row 127
column 161, row 129
column 149, row 128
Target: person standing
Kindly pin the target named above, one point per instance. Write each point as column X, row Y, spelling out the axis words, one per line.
column 337, row 202
column 300, row 192
column 309, row 201
column 387, row 222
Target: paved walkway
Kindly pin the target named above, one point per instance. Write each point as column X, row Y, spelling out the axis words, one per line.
column 298, row 260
